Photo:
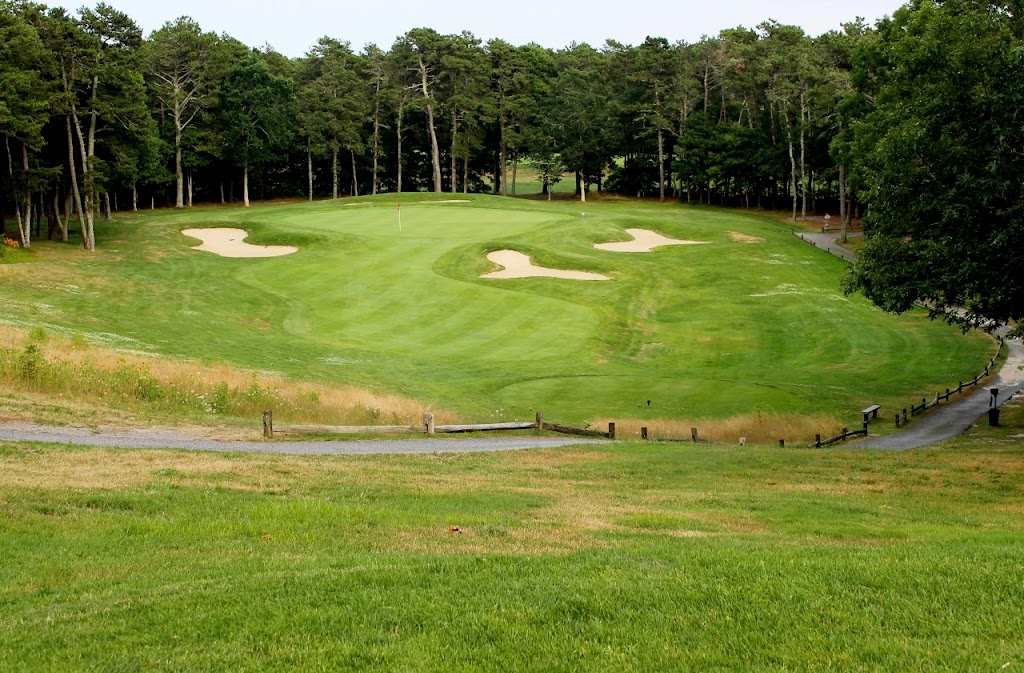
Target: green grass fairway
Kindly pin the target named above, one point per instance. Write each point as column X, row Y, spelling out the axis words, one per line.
column 702, row 331
column 630, row 557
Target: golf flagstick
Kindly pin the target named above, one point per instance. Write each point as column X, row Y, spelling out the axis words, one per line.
column 399, row 217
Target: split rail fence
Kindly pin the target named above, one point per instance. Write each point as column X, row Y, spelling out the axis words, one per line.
column 430, row 428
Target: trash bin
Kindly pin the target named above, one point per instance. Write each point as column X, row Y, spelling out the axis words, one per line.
column 993, row 417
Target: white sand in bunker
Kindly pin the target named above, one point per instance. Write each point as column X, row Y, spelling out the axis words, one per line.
column 644, row 240
column 230, row 243
column 518, row 265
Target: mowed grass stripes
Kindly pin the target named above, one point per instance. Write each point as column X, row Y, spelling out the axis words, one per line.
column 751, row 321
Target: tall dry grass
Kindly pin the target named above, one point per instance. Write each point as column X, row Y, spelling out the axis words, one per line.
column 69, row 367
column 757, row 428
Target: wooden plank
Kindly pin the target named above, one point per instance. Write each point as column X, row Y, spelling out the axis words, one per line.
column 345, row 429
column 569, row 430
column 485, row 427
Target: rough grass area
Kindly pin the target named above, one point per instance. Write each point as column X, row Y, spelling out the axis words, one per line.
column 751, row 428
column 56, row 379
column 630, row 558
column 753, row 322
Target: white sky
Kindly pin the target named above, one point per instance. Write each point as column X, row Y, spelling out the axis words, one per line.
column 293, row 26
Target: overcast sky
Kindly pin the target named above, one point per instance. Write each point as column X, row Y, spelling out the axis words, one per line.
column 293, row 26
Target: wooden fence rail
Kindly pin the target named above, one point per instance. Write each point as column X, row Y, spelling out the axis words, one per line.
column 429, row 428
column 819, row 442
column 944, row 397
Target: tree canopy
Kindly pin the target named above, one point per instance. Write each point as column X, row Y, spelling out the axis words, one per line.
column 911, row 122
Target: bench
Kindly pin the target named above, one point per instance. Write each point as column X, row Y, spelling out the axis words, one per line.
column 870, row 412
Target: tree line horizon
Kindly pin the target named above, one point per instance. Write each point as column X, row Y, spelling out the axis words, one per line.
column 96, row 117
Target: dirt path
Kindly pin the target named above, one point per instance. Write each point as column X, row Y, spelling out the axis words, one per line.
column 949, row 420
column 164, row 439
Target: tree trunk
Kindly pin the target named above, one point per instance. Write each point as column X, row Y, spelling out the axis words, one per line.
column 844, row 209
column 803, row 154
column 515, row 171
column 190, row 192
column 792, row 161
column 465, row 174
column 10, row 170
column 179, row 172
column 25, row 224
column 455, row 135
column 245, row 186
column 661, row 164
column 107, row 215
column 74, row 175
column 334, row 173
column 222, row 201
column 135, row 197
column 66, row 222
column 376, row 145
column 503, row 160
column 309, row 171
column 435, row 152
column 355, row 176
column 401, row 110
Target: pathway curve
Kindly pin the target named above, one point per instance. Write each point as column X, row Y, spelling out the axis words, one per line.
column 948, row 420
column 827, row 242
column 165, row 439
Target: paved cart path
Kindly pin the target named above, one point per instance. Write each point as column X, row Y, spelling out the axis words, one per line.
column 165, row 439
column 947, row 420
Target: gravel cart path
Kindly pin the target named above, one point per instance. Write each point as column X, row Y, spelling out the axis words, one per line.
column 164, row 439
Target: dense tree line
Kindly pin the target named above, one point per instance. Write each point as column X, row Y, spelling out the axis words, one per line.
column 914, row 120
column 96, row 117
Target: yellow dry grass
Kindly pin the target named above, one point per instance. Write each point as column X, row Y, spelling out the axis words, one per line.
column 757, row 429
column 744, row 238
column 299, row 402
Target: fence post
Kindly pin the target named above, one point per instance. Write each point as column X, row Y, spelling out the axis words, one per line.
column 693, row 434
column 268, row 424
column 428, row 421
column 845, row 432
column 904, row 414
column 897, row 420
column 540, row 421
column 611, row 431
column 782, row 443
column 865, row 428
column 643, row 433
column 817, row 441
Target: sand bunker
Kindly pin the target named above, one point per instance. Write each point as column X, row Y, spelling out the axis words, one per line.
column 229, row 243
column 447, row 201
column 518, row 265
column 743, row 238
column 644, row 240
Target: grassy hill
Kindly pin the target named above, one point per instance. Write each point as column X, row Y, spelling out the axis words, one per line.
column 629, row 557
column 751, row 322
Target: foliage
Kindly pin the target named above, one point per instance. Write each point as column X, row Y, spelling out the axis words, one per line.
column 947, row 80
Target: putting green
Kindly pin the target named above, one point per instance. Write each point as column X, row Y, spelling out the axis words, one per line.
column 704, row 330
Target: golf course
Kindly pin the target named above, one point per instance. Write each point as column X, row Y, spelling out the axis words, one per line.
column 389, row 294
column 623, row 555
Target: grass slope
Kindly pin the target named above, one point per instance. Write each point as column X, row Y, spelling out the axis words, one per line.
column 701, row 331
column 629, row 557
